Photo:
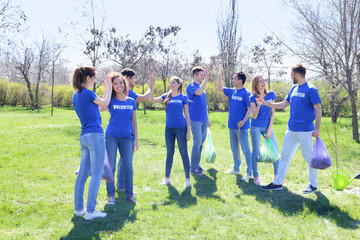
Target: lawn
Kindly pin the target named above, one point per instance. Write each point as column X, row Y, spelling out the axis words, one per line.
column 39, row 154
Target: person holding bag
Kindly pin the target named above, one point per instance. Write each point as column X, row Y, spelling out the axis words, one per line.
column 261, row 122
column 177, row 126
column 86, row 104
column 122, row 125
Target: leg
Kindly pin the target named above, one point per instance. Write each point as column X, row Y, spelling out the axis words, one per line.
column 126, row 153
column 244, row 142
column 96, row 145
column 234, row 148
column 182, row 144
column 196, row 129
column 111, row 149
column 120, row 173
column 289, row 148
column 82, row 175
column 170, row 148
column 255, row 133
column 306, row 143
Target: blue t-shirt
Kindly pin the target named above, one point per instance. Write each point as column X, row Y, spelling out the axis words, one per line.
column 197, row 104
column 87, row 111
column 121, row 113
column 263, row 117
column 302, row 113
column 174, row 111
column 238, row 106
column 133, row 95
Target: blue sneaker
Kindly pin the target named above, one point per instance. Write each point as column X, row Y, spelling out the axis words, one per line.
column 271, row 186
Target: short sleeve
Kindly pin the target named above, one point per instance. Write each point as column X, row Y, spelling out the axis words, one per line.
column 133, row 95
column 163, row 96
column 228, row 91
column 192, row 88
column 252, row 99
column 314, row 96
column 134, row 105
column 185, row 100
column 273, row 96
column 91, row 95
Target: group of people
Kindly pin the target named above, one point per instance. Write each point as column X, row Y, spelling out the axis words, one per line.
column 185, row 113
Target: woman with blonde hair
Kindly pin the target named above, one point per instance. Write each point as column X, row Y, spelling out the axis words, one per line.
column 177, row 126
column 261, row 122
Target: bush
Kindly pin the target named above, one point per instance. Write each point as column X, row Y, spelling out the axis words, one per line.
column 3, row 91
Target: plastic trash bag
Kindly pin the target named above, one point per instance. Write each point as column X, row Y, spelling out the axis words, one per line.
column 268, row 152
column 210, row 154
column 320, row 157
column 108, row 174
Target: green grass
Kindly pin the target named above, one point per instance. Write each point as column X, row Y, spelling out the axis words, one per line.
column 39, row 154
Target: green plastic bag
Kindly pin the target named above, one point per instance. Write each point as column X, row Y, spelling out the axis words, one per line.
column 268, row 152
column 210, row 154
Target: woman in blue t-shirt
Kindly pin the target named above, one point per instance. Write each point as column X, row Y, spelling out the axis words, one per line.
column 122, row 126
column 86, row 104
column 261, row 122
column 177, row 126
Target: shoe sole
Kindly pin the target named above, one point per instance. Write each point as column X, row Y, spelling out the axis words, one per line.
column 273, row 189
column 310, row 192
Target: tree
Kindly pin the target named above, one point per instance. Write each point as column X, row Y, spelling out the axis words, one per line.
column 265, row 56
column 335, row 25
column 229, row 40
column 11, row 17
column 55, row 53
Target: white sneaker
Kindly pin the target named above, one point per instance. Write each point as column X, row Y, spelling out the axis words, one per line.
column 187, row 183
column 257, row 181
column 246, row 177
column 111, row 200
column 95, row 214
column 233, row 172
column 81, row 213
column 165, row 181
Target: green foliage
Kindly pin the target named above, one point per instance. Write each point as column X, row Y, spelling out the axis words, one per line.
column 39, row 153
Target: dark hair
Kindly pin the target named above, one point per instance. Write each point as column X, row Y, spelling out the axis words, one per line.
column 113, row 76
column 128, row 72
column 241, row 76
column 299, row 68
column 180, row 82
column 196, row 69
column 254, row 84
column 79, row 76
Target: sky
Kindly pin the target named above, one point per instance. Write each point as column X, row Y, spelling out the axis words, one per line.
column 197, row 19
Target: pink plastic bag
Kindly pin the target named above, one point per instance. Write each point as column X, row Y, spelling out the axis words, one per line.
column 320, row 157
column 108, row 174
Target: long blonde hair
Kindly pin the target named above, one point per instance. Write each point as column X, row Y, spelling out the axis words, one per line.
column 180, row 82
column 254, row 84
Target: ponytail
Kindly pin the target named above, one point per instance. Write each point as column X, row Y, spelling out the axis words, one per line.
column 79, row 76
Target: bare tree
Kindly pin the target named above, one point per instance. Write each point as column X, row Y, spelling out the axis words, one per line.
column 335, row 24
column 11, row 16
column 55, row 53
column 229, row 40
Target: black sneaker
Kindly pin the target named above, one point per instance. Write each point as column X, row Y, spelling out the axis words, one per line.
column 271, row 186
column 196, row 172
column 310, row 189
column 202, row 169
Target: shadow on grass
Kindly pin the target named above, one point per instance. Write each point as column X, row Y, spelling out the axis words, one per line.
column 289, row 204
column 184, row 200
column 205, row 185
column 117, row 216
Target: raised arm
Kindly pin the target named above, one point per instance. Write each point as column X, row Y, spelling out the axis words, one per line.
column 104, row 102
column 202, row 87
column 220, row 85
column 316, row 132
column 150, row 92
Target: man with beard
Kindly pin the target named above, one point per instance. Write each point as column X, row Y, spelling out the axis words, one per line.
column 305, row 107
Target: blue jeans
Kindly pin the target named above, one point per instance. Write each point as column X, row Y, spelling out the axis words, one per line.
column 199, row 130
column 255, row 133
column 244, row 142
column 92, row 160
column 121, row 171
column 126, row 152
column 180, row 135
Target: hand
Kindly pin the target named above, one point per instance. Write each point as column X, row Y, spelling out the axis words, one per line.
column 152, row 81
column 257, row 101
column 240, row 124
column 261, row 99
column 268, row 133
column 209, row 124
column 136, row 145
column 220, row 70
column 316, row 133
column 188, row 135
column 107, row 82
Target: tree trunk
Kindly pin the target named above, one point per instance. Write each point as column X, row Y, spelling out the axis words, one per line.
column 28, row 85
column 354, row 118
column 37, row 96
column 52, row 89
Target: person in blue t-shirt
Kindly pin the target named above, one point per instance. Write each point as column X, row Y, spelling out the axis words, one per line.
column 86, row 104
column 177, row 126
column 199, row 119
column 238, row 122
column 305, row 107
column 130, row 76
column 122, row 126
column 261, row 122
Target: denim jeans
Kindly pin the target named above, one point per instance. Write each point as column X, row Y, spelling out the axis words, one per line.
column 180, row 135
column 292, row 140
column 121, row 171
column 199, row 130
column 244, row 142
column 126, row 152
column 92, row 160
column 256, row 133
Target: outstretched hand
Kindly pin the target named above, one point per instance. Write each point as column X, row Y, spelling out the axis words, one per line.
column 261, row 98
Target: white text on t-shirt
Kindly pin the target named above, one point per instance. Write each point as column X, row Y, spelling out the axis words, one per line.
column 122, row 107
